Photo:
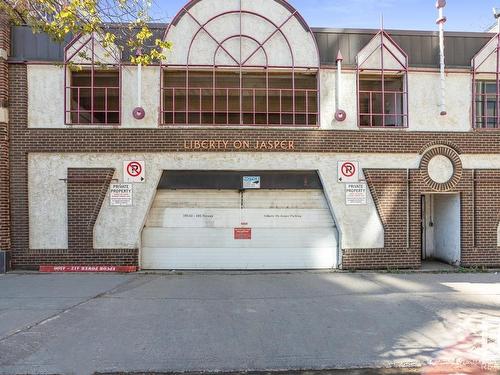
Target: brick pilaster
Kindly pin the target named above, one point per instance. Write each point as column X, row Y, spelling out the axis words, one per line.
column 4, row 135
column 87, row 189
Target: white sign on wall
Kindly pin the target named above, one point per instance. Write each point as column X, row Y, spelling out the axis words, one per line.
column 251, row 182
column 134, row 171
column 355, row 194
column 347, row 171
column 120, row 194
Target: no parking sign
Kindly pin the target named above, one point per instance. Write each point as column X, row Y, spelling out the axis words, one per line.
column 347, row 171
column 134, row 171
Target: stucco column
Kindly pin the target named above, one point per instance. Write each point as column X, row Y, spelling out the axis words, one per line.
column 4, row 144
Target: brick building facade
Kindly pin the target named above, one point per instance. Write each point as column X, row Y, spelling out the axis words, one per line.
column 431, row 179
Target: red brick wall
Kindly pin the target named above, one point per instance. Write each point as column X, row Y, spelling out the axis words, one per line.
column 4, row 139
column 86, row 190
column 388, row 187
column 486, row 202
column 480, row 211
column 18, row 115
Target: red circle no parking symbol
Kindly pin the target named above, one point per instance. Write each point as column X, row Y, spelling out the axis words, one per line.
column 134, row 169
column 348, row 169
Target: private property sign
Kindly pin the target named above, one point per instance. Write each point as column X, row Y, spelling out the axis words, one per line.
column 347, row 171
column 120, row 195
column 355, row 194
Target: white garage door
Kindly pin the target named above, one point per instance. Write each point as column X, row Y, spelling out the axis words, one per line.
column 276, row 229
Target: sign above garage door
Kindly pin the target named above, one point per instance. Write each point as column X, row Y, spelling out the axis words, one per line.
column 239, row 180
column 251, row 182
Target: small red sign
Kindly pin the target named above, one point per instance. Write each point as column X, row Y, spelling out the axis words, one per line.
column 242, row 233
column 120, row 269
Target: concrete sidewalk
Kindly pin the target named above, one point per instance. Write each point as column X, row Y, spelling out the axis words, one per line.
column 80, row 324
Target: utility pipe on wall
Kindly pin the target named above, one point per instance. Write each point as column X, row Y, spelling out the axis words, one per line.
column 440, row 4
column 138, row 111
column 340, row 114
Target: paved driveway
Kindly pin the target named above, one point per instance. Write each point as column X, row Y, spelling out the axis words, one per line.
column 73, row 323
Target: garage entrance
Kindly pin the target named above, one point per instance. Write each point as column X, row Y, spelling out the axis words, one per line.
column 441, row 228
column 213, row 220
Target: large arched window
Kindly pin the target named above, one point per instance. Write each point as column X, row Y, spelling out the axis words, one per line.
column 382, row 68
column 92, row 82
column 240, row 62
column 486, row 86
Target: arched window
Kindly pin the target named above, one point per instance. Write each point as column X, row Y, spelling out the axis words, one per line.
column 382, row 83
column 240, row 62
column 486, row 87
column 92, row 82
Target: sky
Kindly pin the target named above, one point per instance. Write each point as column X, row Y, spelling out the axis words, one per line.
column 463, row 15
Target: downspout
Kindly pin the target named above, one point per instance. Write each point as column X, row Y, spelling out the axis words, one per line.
column 138, row 111
column 440, row 4
column 340, row 114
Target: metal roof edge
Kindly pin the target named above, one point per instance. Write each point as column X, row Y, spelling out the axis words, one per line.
column 403, row 32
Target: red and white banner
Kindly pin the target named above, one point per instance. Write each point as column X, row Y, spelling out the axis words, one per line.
column 120, row 269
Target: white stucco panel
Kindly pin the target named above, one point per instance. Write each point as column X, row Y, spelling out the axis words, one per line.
column 303, row 44
column 120, row 227
column 204, row 10
column 177, row 36
column 45, row 81
column 47, row 202
column 270, row 9
column 348, row 101
column 424, row 101
column 266, row 22
column 202, row 51
column 150, row 96
column 252, row 24
column 278, row 52
column 224, row 26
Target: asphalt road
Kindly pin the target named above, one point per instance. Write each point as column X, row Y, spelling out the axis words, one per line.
column 80, row 324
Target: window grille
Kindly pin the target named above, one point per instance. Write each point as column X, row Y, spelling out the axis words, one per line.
column 382, row 84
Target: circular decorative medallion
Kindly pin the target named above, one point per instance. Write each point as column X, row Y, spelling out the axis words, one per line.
column 441, row 168
column 340, row 115
column 139, row 113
